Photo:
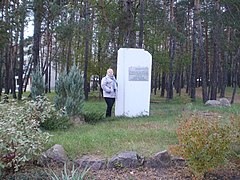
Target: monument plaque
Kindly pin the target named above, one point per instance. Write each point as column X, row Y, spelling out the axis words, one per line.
column 138, row 74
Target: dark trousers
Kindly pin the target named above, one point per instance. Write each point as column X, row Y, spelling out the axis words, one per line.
column 110, row 102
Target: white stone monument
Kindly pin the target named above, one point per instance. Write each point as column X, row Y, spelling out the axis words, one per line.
column 134, row 68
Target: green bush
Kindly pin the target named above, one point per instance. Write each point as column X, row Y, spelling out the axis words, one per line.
column 40, row 109
column 38, row 86
column 21, row 138
column 204, row 142
column 93, row 117
column 69, row 92
column 56, row 122
column 53, row 119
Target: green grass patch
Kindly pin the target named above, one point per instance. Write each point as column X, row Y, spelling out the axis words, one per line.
column 146, row 135
column 110, row 137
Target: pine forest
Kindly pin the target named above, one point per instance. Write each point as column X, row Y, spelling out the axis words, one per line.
column 194, row 43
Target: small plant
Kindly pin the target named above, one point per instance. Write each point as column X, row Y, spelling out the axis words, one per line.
column 66, row 174
column 21, row 139
column 5, row 99
column 38, row 87
column 204, row 142
column 47, row 115
column 69, row 90
column 93, row 117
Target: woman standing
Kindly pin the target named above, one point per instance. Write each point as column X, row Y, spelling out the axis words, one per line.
column 109, row 86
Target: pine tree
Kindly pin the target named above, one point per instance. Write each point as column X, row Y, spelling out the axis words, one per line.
column 37, row 84
column 70, row 92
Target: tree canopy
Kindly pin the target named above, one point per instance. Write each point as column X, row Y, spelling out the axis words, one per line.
column 193, row 43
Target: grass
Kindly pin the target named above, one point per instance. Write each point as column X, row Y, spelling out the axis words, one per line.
column 146, row 135
column 110, row 137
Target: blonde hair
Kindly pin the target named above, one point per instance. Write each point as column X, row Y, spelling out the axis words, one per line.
column 110, row 72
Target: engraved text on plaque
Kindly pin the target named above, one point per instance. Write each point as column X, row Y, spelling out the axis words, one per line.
column 138, row 74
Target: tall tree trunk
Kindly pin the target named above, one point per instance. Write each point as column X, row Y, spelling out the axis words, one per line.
column 171, row 55
column 163, row 84
column 201, row 51
column 223, row 75
column 141, row 29
column 7, row 70
column 69, row 48
column 121, row 28
column 27, row 73
column 1, row 73
column 14, row 61
column 50, row 66
column 206, row 53
column 159, row 81
column 15, row 51
column 99, row 58
column 187, row 47
column 7, row 53
column 129, row 39
column 86, row 87
column 47, row 64
column 236, row 70
column 49, row 75
column 225, row 63
column 177, row 82
column 216, row 54
column 155, row 82
column 21, row 52
column 37, row 10
column 194, row 59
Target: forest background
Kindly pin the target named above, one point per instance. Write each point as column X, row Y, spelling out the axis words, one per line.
column 193, row 42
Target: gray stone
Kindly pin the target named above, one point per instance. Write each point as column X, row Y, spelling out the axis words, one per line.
column 159, row 160
column 214, row 103
column 91, row 162
column 55, row 154
column 128, row 159
column 224, row 102
column 179, row 161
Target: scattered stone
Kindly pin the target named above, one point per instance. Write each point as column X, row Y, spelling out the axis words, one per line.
column 77, row 120
column 224, row 102
column 213, row 103
column 91, row 162
column 55, row 154
column 178, row 161
column 129, row 159
column 159, row 160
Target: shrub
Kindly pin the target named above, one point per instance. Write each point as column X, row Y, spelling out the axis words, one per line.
column 56, row 122
column 38, row 87
column 21, row 138
column 52, row 119
column 40, row 109
column 69, row 90
column 93, row 117
column 236, row 135
column 204, row 142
